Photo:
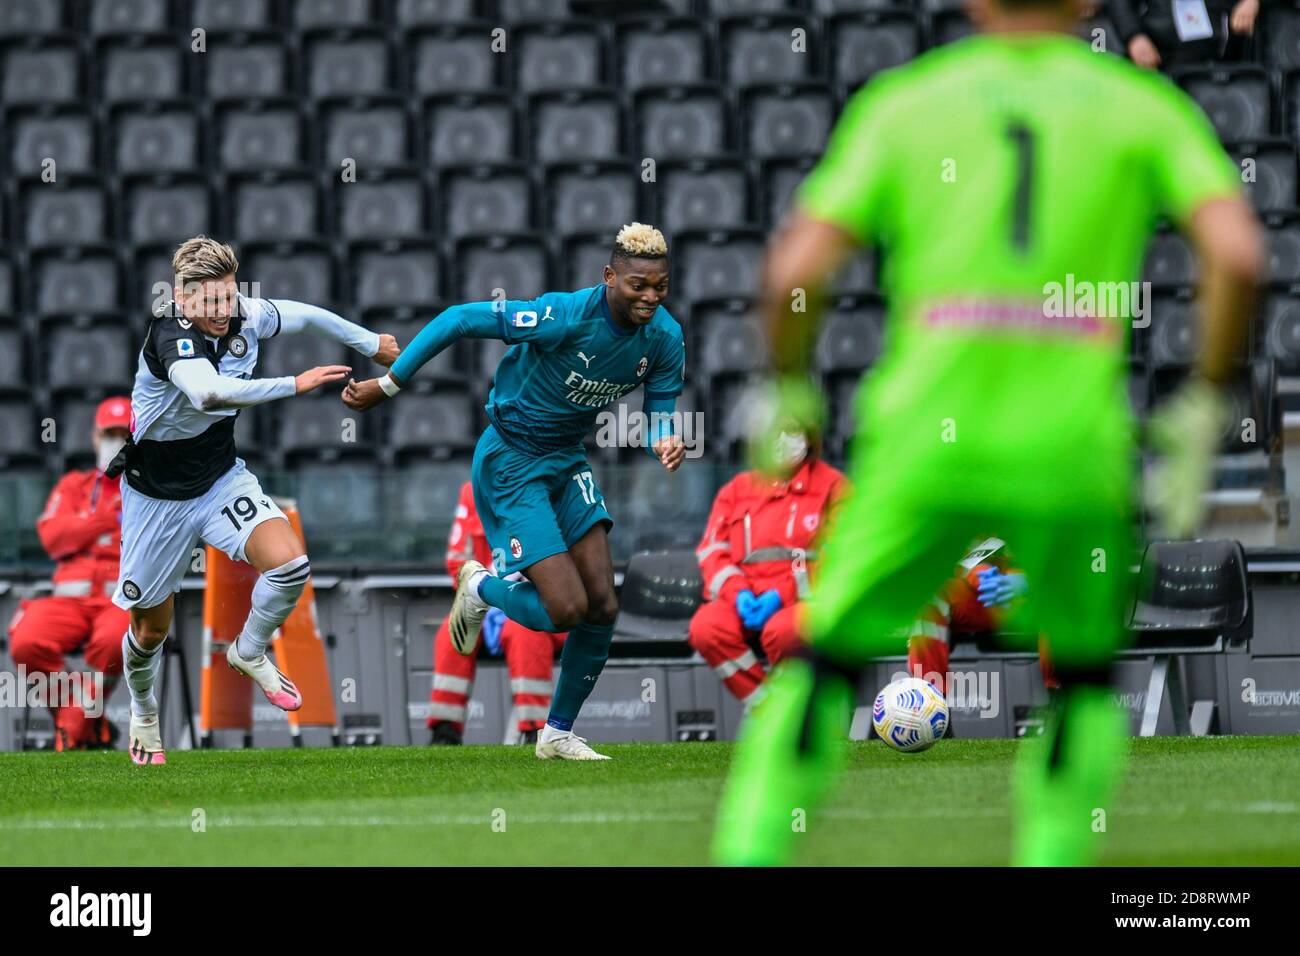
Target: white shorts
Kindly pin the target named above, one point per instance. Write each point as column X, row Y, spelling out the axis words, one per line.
column 158, row 535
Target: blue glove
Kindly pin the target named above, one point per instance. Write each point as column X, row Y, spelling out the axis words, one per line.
column 746, row 600
column 492, row 624
column 998, row 589
column 767, row 604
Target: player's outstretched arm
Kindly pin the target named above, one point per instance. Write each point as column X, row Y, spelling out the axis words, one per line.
column 299, row 316
column 207, row 390
column 470, row 320
column 662, row 442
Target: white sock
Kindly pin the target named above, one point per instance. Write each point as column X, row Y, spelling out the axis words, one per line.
column 275, row 595
column 476, row 579
column 140, row 668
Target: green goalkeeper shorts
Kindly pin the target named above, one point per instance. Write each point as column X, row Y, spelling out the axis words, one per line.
column 886, row 555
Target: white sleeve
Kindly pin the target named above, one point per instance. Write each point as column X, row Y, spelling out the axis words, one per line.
column 207, row 390
column 296, row 316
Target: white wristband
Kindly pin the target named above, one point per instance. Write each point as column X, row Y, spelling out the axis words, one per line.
column 390, row 388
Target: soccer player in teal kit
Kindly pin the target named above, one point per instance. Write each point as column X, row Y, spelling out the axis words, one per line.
column 572, row 353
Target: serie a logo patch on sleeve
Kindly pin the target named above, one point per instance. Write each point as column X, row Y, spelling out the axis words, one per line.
column 184, row 348
column 525, row 320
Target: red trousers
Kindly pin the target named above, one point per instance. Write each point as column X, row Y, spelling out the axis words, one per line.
column 44, row 630
column 717, row 633
column 530, row 656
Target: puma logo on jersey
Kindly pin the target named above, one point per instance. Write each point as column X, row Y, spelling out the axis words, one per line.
column 586, row 361
column 547, row 314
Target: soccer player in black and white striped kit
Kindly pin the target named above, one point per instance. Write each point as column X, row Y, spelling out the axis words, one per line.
column 185, row 483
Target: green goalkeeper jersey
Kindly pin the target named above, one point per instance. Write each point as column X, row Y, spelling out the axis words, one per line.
column 1013, row 182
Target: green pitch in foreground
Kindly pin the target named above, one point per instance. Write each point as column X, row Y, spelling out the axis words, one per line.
column 1233, row 800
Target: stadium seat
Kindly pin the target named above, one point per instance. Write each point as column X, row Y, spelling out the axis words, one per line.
column 320, row 428
column 453, row 60
column 239, row 68
column 63, row 134
column 155, row 139
column 731, row 344
column 455, row 366
column 47, row 72
column 385, row 206
column 787, row 122
column 1282, row 241
column 15, row 365
column 591, row 197
column 516, row 265
column 681, row 123
column 19, row 431
column 343, row 498
column 214, row 15
column 515, row 11
column 1139, row 398
column 485, row 201
column 666, row 514
column 850, row 337
column 294, row 354
column 136, row 69
column 100, row 356
column 374, row 133
column 1171, row 340
column 585, row 258
column 766, row 51
column 74, row 423
column 357, row 65
column 722, row 266
column 8, row 290
column 151, row 283
column 439, row 425
column 490, row 353
column 574, row 127
column 1282, row 37
column 470, row 128
column 259, row 136
column 701, row 195
column 863, row 44
column 165, row 210
column 1281, row 334
column 300, row 271
column 658, row 52
column 395, row 274
column 661, row 591
column 551, row 57
column 272, row 207
column 1235, row 98
column 1169, row 261
column 72, row 211
column 115, row 17
column 422, row 498
column 20, row 19
column 949, row 25
column 248, row 434
column 333, row 13
column 68, row 282
column 780, row 180
column 432, row 13
column 843, row 422
column 1273, row 186
column 728, row 8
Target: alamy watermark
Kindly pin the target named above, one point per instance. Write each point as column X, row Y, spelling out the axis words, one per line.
column 84, row 689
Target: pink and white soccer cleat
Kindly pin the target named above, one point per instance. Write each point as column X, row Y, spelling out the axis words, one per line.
column 278, row 689
column 146, row 741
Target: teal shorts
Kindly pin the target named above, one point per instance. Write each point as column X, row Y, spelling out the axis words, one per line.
column 533, row 506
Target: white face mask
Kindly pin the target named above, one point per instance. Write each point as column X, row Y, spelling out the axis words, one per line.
column 108, row 449
column 791, row 449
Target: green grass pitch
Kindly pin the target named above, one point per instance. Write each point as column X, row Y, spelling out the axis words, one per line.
column 1218, row 800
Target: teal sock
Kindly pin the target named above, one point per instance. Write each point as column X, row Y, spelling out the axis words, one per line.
column 521, row 601
column 583, row 658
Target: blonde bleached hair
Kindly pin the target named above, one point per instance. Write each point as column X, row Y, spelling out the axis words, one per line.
column 200, row 259
column 639, row 241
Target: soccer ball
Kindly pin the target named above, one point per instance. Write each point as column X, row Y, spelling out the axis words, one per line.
column 910, row 714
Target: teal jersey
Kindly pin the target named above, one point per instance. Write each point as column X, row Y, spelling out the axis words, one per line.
column 568, row 360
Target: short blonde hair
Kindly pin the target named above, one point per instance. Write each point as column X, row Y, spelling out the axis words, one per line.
column 200, row 259
column 640, row 241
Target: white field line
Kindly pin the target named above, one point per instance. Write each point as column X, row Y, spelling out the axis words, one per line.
column 562, row 819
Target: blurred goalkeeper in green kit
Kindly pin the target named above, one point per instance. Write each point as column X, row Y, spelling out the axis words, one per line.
column 1013, row 180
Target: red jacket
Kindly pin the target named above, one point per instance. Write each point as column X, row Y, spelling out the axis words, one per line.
column 758, row 527
column 81, row 529
column 467, row 539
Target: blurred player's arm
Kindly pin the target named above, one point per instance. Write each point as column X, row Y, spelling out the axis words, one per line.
column 469, row 320
column 208, row 390
column 297, row 317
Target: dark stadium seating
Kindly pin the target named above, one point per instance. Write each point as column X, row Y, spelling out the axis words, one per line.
column 479, row 169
